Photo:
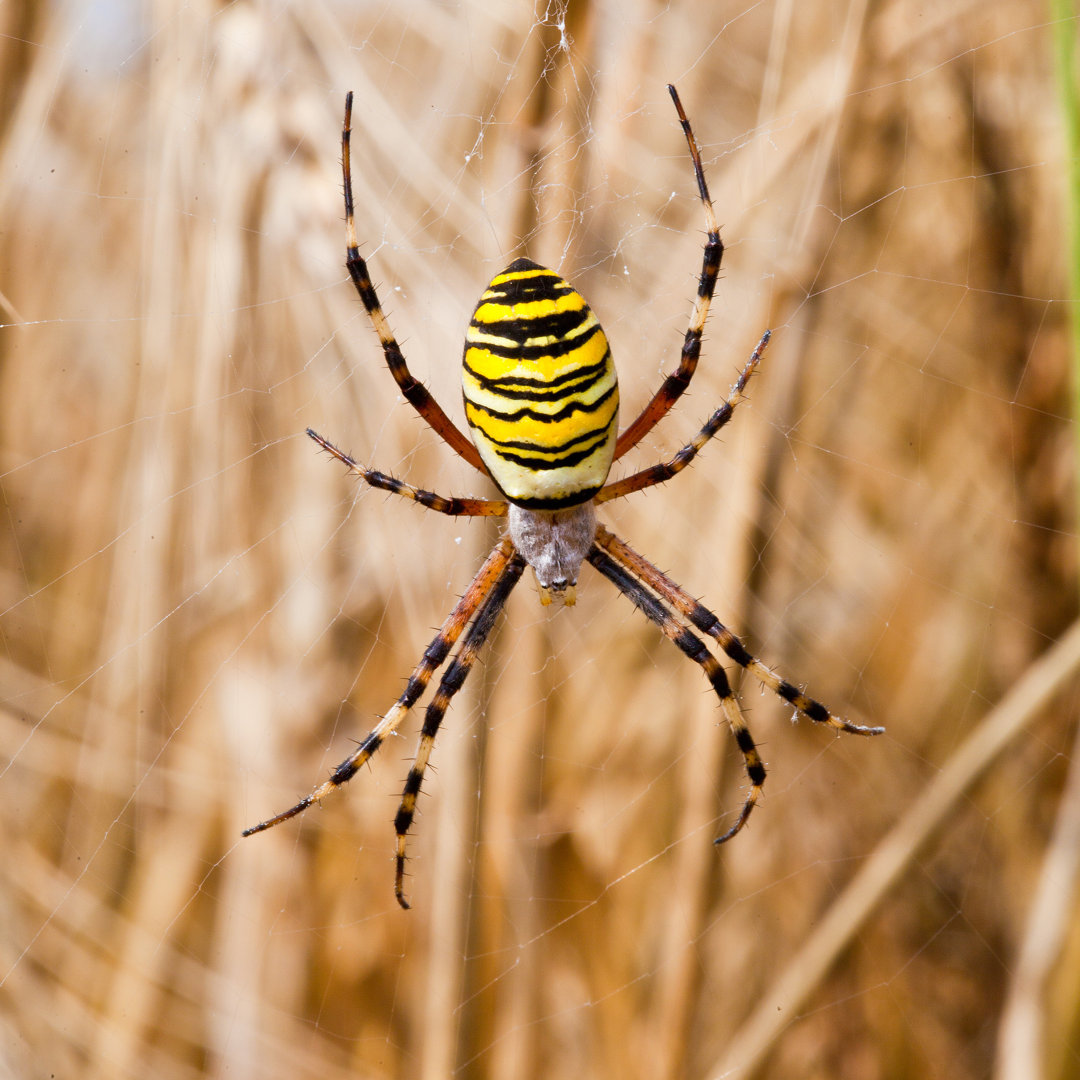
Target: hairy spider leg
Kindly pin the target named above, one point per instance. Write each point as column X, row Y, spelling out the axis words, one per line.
column 441, row 503
column 451, row 682
column 705, row 621
column 415, row 392
column 693, row 647
column 674, row 386
column 488, row 577
column 658, row 474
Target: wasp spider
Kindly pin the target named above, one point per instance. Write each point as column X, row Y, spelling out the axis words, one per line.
column 542, row 402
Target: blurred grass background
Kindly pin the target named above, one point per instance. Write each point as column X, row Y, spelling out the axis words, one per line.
column 198, row 612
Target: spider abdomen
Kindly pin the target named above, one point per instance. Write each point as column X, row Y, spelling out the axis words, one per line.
column 541, row 395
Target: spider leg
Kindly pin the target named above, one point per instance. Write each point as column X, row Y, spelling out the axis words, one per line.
column 454, row 506
column 488, row 577
column 676, row 383
column 693, row 647
column 415, row 393
column 658, row 474
column 704, row 620
column 452, row 680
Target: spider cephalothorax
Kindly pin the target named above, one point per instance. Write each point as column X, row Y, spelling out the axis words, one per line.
column 542, row 401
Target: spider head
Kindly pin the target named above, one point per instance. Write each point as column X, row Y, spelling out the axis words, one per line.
column 563, row 591
column 554, row 543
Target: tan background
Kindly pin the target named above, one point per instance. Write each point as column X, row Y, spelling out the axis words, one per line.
column 198, row 612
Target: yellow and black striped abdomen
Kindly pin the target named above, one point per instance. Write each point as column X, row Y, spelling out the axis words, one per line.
column 541, row 396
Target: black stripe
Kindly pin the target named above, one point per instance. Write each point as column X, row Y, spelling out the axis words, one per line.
column 535, row 285
column 521, row 327
column 533, row 414
column 572, row 382
column 520, row 265
column 558, row 502
column 412, row 783
column 745, row 741
column 714, row 252
column 537, row 464
column 515, row 348
column 349, row 767
column 402, row 820
column 734, row 647
column 528, row 289
column 540, row 448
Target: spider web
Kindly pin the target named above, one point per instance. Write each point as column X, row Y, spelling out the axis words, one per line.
column 199, row 613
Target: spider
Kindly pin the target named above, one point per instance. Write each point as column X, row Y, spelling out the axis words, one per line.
column 541, row 401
